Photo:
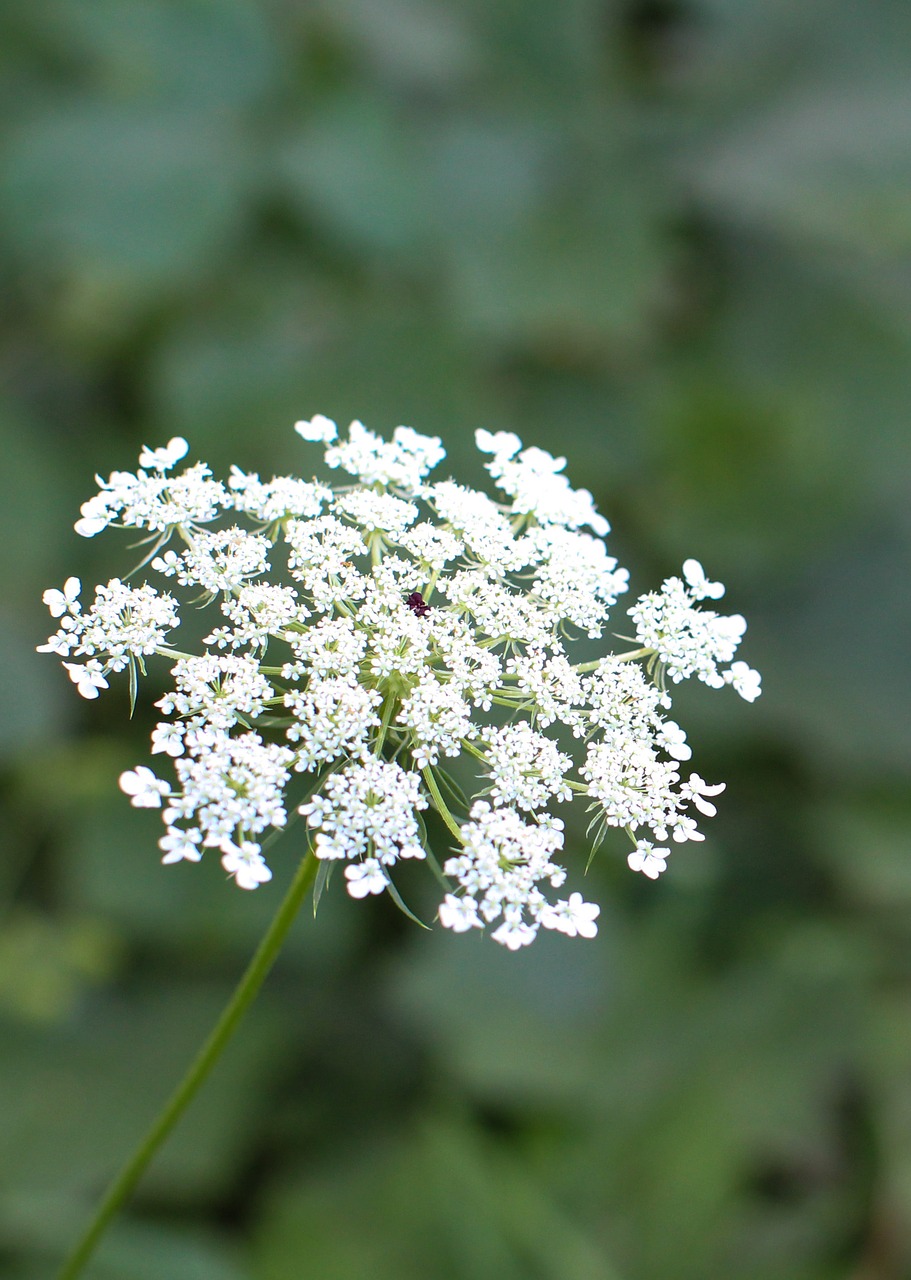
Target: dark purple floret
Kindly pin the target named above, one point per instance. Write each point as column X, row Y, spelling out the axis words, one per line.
column 415, row 603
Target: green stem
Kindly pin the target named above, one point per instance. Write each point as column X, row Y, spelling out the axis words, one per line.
column 165, row 651
column 244, row 994
column 388, row 708
column 440, row 804
column 633, row 656
column 478, row 755
column 432, row 582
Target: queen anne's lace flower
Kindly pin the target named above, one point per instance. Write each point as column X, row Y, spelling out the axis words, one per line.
column 123, row 624
column 279, row 498
column 503, row 862
column 368, row 809
column 156, row 502
column 333, row 717
column 370, row 633
column 534, row 482
column 526, row 768
column 687, row 640
column 439, row 717
column 215, row 690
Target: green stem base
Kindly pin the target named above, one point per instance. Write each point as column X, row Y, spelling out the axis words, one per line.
column 244, row 994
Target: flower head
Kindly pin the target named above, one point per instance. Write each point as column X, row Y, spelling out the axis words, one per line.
column 374, row 634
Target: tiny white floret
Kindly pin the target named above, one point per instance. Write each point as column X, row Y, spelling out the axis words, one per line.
column 181, row 845
column 745, row 680
column 700, row 586
column 246, row 866
column 696, row 789
column 459, row 914
column 647, row 859
column 503, row 443
column 65, row 601
column 365, row 877
column 166, row 457
column 88, row 679
column 143, row 787
column 319, row 429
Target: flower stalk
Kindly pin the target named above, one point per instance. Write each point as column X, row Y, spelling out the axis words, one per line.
column 244, row 994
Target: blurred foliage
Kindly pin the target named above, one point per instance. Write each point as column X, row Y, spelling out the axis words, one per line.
column 668, row 238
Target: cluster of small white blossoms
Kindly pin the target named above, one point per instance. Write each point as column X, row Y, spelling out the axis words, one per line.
column 368, row 635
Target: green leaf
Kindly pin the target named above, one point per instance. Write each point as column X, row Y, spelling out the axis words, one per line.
column 437, row 1190
column 45, row 1227
column 828, row 162
column 583, row 269
column 139, row 198
column 103, row 1081
column 355, row 167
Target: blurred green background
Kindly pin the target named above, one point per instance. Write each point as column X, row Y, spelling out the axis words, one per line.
column 668, row 238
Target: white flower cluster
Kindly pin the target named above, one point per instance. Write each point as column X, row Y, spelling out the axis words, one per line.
column 690, row 641
column 123, row 625
column 415, row 622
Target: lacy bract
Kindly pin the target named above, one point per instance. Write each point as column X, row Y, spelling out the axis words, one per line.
column 368, row 634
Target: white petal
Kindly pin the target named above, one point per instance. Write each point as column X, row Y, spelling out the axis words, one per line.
column 319, row 429
column 88, row 526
